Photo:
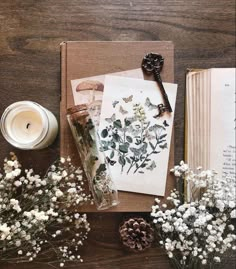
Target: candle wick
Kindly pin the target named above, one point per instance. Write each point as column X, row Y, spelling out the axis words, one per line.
column 28, row 125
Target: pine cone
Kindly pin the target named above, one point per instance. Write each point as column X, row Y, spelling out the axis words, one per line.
column 136, row 234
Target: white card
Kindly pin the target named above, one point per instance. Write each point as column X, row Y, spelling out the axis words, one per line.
column 136, row 144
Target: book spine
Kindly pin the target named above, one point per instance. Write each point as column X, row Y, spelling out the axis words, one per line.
column 63, row 97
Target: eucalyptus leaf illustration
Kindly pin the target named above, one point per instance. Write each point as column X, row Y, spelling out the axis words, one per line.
column 162, row 136
column 129, row 139
column 156, row 127
column 140, row 150
column 151, row 145
column 104, row 133
column 113, row 144
column 160, row 141
column 122, row 160
column 131, row 119
column 116, row 137
column 128, row 160
column 112, row 154
column 117, row 124
column 127, row 122
column 103, row 148
column 164, row 146
column 124, row 148
column 104, row 145
column 133, row 142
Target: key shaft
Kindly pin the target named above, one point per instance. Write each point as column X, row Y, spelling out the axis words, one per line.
column 158, row 79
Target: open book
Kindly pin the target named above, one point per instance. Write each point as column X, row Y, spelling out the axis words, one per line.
column 210, row 120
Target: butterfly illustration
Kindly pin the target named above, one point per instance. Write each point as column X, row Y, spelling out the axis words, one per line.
column 111, row 119
column 128, row 99
column 165, row 123
column 148, row 135
column 151, row 166
column 164, row 146
column 134, row 131
column 149, row 104
column 123, row 111
column 111, row 162
column 114, row 103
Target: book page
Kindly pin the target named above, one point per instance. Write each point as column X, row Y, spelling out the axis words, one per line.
column 204, row 118
column 135, row 142
column 223, row 121
column 194, row 120
column 188, row 126
column 189, row 147
column 198, row 124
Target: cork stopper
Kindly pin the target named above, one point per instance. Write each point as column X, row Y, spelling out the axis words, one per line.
column 77, row 108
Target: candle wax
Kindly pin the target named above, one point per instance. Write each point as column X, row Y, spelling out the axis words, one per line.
column 26, row 126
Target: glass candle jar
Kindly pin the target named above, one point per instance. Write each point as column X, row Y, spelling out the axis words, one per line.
column 27, row 125
column 93, row 161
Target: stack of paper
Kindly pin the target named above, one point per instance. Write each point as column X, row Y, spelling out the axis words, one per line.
column 136, row 144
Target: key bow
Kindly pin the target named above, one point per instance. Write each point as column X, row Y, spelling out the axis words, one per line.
column 152, row 62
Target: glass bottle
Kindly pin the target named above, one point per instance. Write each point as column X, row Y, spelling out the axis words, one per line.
column 83, row 121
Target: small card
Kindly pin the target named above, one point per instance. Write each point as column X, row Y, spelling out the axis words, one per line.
column 136, row 144
column 87, row 90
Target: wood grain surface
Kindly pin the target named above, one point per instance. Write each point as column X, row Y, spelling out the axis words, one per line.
column 203, row 33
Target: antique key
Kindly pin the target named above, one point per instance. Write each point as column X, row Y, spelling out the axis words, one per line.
column 153, row 63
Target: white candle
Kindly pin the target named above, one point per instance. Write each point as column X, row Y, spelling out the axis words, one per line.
column 28, row 125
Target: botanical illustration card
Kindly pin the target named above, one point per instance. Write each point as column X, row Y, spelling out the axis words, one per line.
column 87, row 90
column 136, row 142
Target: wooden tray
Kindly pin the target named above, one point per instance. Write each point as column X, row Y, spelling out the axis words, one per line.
column 85, row 59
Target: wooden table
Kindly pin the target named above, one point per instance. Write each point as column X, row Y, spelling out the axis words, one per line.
column 30, row 33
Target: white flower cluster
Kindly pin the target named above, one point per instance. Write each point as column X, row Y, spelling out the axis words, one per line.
column 139, row 112
column 180, row 170
column 198, row 231
column 35, row 212
column 207, row 186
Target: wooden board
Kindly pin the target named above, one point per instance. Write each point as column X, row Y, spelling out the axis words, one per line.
column 85, row 59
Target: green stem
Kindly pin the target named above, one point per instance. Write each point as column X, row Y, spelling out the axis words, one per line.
column 131, row 165
column 142, row 132
column 149, row 154
column 122, row 168
column 176, row 263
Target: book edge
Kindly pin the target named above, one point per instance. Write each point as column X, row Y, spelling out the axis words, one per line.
column 63, row 97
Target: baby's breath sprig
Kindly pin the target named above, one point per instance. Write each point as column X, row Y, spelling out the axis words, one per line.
column 198, row 232
column 38, row 215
